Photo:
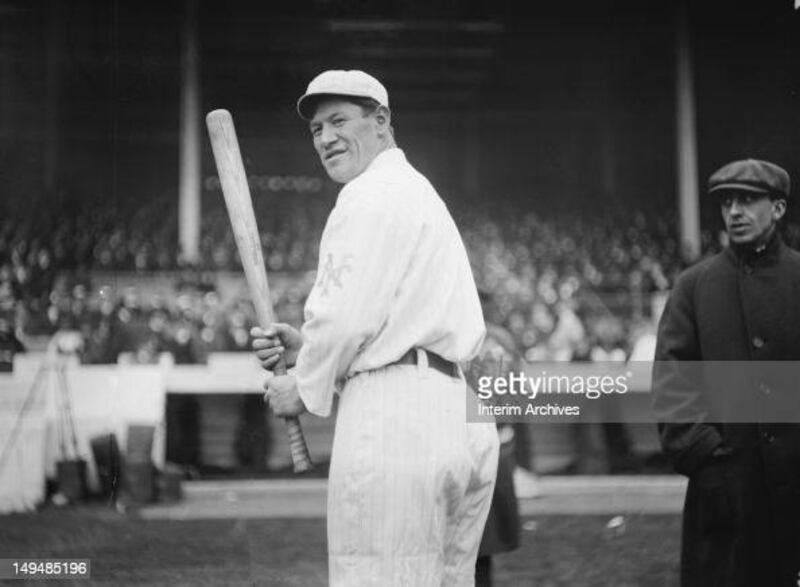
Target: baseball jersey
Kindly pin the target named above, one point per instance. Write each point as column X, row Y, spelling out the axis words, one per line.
column 393, row 275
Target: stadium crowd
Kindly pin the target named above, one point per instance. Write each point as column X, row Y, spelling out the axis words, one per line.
column 555, row 282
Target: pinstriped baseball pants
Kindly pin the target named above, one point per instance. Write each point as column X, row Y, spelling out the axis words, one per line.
column 410, row 481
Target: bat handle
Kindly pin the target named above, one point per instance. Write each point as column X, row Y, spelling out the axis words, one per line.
column 297, row 445
column 301, row 459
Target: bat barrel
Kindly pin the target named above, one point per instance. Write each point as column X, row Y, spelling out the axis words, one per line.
column 236, row 190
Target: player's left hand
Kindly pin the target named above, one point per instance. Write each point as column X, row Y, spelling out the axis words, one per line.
column 282, row 396
column 276, row 342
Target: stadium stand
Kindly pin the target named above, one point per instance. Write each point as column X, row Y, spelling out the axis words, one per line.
column 113, row 272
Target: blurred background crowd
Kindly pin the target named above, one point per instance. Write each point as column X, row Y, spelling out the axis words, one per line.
column 561, row 284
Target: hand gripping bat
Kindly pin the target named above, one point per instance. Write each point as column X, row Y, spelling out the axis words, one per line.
column 243, row 220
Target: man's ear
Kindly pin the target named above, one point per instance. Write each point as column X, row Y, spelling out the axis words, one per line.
column 384, row 118
column 778, row 209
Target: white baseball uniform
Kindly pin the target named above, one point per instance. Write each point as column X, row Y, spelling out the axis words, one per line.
column 410, row 481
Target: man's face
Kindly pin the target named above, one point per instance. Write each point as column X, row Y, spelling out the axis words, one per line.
column 345, row 139
column 750, row 217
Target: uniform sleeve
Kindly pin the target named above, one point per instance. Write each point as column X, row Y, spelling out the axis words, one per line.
column 679, row 403
column 366, row 248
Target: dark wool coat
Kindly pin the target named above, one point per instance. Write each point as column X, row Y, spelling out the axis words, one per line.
column 502, row 530
column 741, row 522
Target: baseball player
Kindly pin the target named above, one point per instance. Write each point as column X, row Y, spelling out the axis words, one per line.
column 393, row 311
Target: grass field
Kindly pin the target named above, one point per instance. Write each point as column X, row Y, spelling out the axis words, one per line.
column 556, row 550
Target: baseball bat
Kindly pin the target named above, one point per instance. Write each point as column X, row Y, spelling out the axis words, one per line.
column 248, row 241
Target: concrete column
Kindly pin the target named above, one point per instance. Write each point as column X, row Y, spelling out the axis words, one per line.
column 686, row 140
column 190, row 163
column 52, row 91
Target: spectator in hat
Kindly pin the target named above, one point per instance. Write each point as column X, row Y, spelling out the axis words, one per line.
column 741, row 524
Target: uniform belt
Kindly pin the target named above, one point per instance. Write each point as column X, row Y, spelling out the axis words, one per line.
column 434, row 362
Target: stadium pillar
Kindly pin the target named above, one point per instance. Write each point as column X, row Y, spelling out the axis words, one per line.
column 52, row 31
column 686, row 140
column 190, row 169
column 6, row 83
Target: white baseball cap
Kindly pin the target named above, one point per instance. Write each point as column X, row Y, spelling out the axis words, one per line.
column 339, row 82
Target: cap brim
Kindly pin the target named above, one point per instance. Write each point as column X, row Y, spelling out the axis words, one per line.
column 307, row 105
column 744, row 187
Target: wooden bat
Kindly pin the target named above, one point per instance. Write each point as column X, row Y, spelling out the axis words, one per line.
column 243, row 220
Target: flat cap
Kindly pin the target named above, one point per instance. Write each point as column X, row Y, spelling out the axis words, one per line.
column 751, row 175
column 339, row 82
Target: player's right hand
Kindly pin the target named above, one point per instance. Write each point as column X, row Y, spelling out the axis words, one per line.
column 279, row 340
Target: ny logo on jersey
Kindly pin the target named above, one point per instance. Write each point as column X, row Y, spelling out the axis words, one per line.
column 331, row 274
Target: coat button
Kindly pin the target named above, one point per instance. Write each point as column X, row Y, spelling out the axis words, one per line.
column 758, row 342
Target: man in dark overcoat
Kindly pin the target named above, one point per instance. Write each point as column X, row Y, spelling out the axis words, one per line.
column 741, row 524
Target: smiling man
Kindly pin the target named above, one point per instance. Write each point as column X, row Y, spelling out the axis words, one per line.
column 393, row 312
column 741, row 524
